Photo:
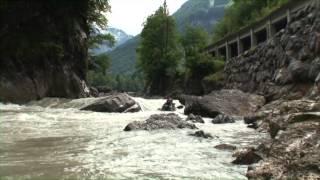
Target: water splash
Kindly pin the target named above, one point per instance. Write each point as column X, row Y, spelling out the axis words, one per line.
column 39, row 141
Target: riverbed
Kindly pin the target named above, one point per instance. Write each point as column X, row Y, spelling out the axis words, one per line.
column 52, row 139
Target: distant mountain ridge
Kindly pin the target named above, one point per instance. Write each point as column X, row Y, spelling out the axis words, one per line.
column 120, row 38
column 202, row 13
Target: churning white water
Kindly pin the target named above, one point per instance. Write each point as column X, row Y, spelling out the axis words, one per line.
column 51, row 139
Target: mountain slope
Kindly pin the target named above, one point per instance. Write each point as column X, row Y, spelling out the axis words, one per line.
column 203, row 13
column 120, row 38
column 124, row 57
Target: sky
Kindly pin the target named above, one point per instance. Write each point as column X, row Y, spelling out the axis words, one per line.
column 129, row 15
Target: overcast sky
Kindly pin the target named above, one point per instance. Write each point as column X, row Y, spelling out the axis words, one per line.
column 129, row 15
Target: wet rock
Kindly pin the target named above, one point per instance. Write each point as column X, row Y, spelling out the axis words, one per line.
column 253, row 126
column 180, row 107
column 114, row 103
column 229, row 102
column 202, row 134
column 223, row 119
column 317, row 83
column 227, row 147
column 314, row 69
column 195, row 118
column 274, row 128
column 299, row 71
column 254, row 117
column 94, row 92
column 168, row 106
column 246, row 157
column 104, row 89
column 293, row 151
column 303, row 117
column 160, row 121
column 283, row 76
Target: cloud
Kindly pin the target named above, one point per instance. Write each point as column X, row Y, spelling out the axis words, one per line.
column 129, row 15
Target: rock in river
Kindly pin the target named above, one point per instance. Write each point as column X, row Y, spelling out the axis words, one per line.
column 246, row 157
column 228, row 102
column 160, row 121
column 223, row 119
column 114, row 103
column 195, row 119
column 202, row 134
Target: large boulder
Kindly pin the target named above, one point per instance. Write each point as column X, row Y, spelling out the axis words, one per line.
column 160, row 121
column 299, row 71
column 228, row 102
column 115, row 103
column 246, row 157
column 223, row 119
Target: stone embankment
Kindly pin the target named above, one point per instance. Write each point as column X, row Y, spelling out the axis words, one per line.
column 287, row 66
column 286, row 71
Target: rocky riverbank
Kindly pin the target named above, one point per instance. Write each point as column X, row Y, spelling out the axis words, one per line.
column 292, row 152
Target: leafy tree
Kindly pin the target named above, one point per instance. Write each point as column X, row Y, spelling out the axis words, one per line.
column 197, row 63
column 193, row 41
column 159, row 53
column 97, row 20
column 99, row 64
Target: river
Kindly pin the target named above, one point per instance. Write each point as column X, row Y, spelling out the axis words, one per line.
column 52, row 139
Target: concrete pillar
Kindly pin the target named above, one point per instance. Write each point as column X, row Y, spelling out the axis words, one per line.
column 217, row 52
column 253, row 38
column 228, row 51
column 270, row 30
column 317, row 4
column 240, row 46
column 288, row 16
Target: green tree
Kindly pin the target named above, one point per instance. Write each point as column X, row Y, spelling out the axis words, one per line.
column 96, row 20
column 159, row 53
column 198, row 64
column 193, row 41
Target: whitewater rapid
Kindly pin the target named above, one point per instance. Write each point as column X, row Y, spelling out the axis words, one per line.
column 52, row 139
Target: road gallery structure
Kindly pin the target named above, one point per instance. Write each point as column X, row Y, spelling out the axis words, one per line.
column 259, row 32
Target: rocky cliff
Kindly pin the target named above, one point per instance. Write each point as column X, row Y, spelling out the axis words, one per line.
column 43, row 49
column 287, row 66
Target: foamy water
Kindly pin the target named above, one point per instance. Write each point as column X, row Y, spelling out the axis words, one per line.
column 52, row 139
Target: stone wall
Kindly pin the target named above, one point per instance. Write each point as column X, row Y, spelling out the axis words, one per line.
column 43, row 49
column 287, row 66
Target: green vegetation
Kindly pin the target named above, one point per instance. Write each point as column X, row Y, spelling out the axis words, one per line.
column 197, row 13
column 218, row 75
column 97, row 19
column 159, row 52
column 242, row 13
column 197, row 63
column 124, row 57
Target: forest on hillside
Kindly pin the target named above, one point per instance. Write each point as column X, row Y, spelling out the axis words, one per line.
column 187, row 73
